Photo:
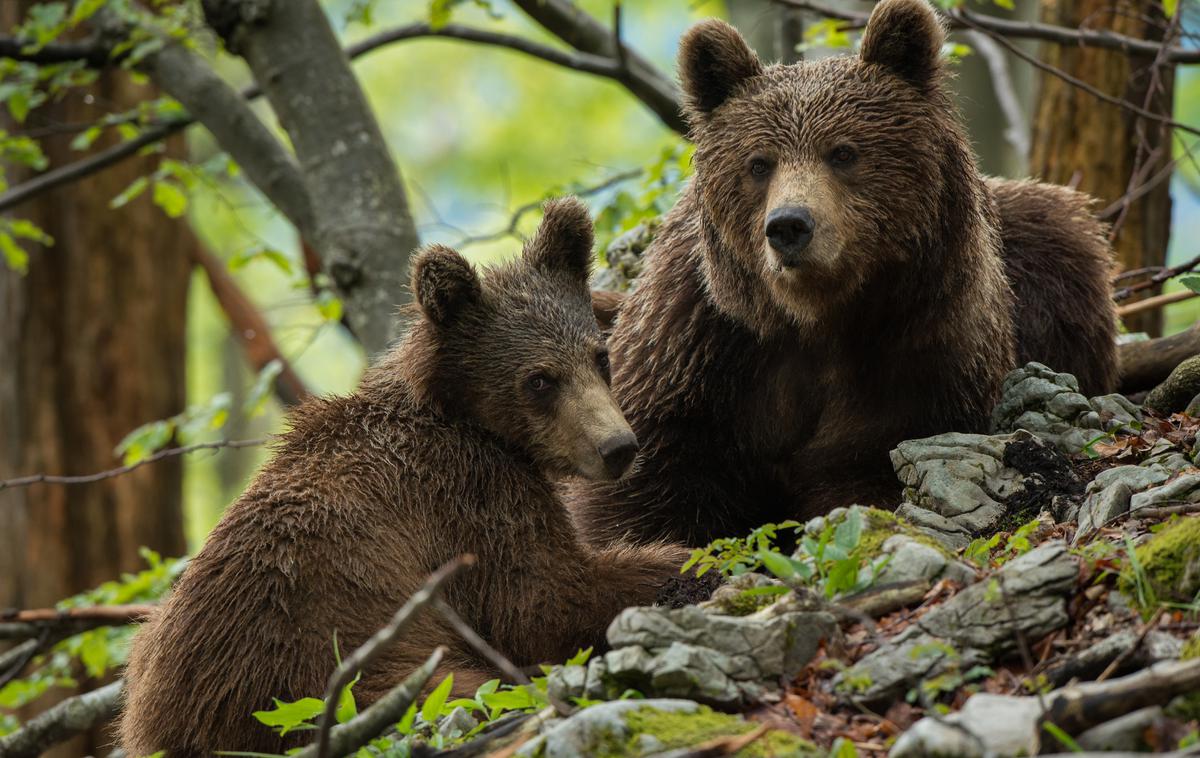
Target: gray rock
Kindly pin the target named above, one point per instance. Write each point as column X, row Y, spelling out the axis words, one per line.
column 947, row 533
column 978, row 623
column 1127, row 488
column 961, row 477
column 458, row 723
column 993, row 725
column 912, row 560
column 624, row 258
column 594, row 730
column 1121, row 734
column 1183, row 489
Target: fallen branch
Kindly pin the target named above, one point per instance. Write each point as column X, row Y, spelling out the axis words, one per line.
column 1078, row 708
column 65, row 720
column 345, row 739
column 112, row 614
column 1145, row 364
column 1175, row 393
column 25, row 481
column 373, row 647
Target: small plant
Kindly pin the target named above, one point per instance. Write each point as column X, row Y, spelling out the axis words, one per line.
column 733, row 556
column 983, row 552
column 832, row 561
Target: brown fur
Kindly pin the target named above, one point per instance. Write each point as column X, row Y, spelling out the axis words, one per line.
column 762, row 390
column 442, row 451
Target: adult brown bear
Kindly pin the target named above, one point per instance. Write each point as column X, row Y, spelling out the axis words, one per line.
column 446, row 448
column 836, row 278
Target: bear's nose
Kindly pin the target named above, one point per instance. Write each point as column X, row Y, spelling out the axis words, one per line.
column 618, row 452
column 789, row 230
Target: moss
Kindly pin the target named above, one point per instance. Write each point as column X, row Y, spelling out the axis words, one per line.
column 1187, row 707
column 744, row 603
column 680, row 730
column 1167, row 567
column 1191, row 648
column 880, row 525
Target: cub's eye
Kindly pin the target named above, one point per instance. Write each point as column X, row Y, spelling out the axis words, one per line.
column 602, row 364
column 842, row 155
column 759, row 167
column 539, row 384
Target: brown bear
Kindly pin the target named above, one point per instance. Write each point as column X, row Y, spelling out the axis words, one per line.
column 449, row 446
column 835, row 279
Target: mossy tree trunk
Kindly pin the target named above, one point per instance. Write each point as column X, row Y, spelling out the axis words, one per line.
column 1078, row 139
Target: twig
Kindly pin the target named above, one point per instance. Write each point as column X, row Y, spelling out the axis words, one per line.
column 523, row 210
column 1033, row 60
column 92, row 51
column 14, row 661
column 1023, row 30
column 65, row 720
column 345, row 739
column 26, row 481
column 380, row 641
column 113, row 614
column 497, row 659
column 1112, row 667
column 1163, row 274
column 1155, row 302
column 1151, row 512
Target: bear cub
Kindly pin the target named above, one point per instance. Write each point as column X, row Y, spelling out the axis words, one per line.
column 450, row 445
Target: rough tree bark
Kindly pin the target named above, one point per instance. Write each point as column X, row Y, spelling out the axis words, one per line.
column 1074, row 133
column 363, row 227
column 92, row 345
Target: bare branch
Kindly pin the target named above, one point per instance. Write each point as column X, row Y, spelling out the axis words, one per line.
column 25, row 481
column 960, row 18
column 65, row 720
column 494, row 656
column 380, row 641
column 346, row 738
column 91, row 51
column 23, row 625
column 251, row 329
column 641, row 77
column 1017, row 132
column 1155, row 302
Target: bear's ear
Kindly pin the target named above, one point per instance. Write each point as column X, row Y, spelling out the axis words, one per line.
column 564, row 240
column 906, row 37
column 443, row 283
column 713, row 61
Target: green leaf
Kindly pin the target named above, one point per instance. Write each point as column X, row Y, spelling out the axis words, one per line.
column 85, row 9
column 849, row 531
column 347, row 708
column 1059, row 734
column 170, row 198
column 329, row 306
column 405, row 725
column 777, row 564
column 287, row 716
column 26, row 229
column 135, row 188
column 256, row 398
column 1191, row 281
column 18, row 105
column 1169, row 7
column 16, row 258
column 433, row 704
column 145, row 440
column 580, row 658
column 94, row 654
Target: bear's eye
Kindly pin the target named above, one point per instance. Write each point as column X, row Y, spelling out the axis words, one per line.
column 539, row 384
column 602, row 365
column 842, row 155
column 759, row 167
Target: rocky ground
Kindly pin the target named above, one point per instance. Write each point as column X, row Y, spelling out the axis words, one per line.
column 1037, row 592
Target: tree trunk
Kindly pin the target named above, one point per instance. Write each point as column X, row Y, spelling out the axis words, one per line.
column 91, row 346
column 1078, row 138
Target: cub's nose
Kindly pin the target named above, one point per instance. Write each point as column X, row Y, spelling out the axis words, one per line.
column 618, row 452
column 789, row 230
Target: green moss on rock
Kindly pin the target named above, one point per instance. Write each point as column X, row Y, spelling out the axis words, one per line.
column 670, row 730
column 1167, row 567
column 879, row 525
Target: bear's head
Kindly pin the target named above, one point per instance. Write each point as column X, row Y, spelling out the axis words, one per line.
column 518, row 351
column 813, row 179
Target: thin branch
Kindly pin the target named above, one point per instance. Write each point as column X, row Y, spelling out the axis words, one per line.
column 380, row 641
column 964, row 19
column 251, row 329
column 112, row 614
column 91, row 51
column 1074, row 81
column 65, row 720
column 642, row 78
column 1163, row 274
column 1155, row 302
column 497, row 659
column 347, row 738
column 1116, row 663
column 25, row 481
column 523, row 210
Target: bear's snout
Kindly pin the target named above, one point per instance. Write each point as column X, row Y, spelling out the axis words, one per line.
column 789, row 229
column 618, row 452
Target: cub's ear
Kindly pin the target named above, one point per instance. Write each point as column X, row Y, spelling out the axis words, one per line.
column 564, row 240
column 906, row 36
column 443, row 283
column 713, row 61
